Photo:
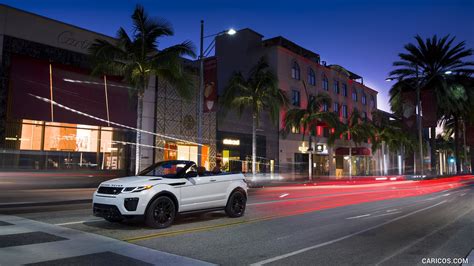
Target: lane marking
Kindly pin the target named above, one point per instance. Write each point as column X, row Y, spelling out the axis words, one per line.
column 385, row 214
column 211, row 227
column 79, row 222
column 344, row 237
column 398, row 252
column 391, row 210
column 463, row 194
column 284, row 195
column 359, row 216
column 198, row 229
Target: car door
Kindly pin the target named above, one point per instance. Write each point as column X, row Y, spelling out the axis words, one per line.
column 200, row 192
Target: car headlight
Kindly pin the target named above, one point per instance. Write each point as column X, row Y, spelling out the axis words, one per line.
column 142, row 188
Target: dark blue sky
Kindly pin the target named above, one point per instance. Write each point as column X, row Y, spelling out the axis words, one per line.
column 363, row 36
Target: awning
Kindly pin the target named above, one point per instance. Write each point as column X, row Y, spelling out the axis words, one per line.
column 355, row 151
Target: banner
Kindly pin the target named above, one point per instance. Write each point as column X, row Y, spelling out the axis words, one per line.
column 210, row 85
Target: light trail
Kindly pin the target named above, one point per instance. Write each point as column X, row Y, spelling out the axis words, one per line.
column 111, row 122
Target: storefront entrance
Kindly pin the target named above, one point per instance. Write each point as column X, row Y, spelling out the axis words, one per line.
column 182, row 151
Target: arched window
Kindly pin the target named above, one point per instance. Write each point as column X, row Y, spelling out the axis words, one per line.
column 311, row 77
column 295, row 71
column 372, row 101
column 325, row 83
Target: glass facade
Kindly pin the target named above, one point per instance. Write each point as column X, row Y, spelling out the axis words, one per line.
column 183, row 151
column 32, row 144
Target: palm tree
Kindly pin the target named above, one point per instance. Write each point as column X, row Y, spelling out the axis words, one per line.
column 392, row 134
column 258, row 92
column 427, row 64
column 356, row 131
column 136, row 57
column 308, row 118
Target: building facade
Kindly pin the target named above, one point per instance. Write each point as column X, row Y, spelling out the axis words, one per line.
column 293, row 65
column 54, row 115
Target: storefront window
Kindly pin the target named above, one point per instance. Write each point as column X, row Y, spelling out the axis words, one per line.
column 179, row 151
column 63, row 146
column 70, row 137
column 31, row 135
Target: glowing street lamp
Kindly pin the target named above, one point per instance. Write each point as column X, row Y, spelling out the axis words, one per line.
column 202, row 54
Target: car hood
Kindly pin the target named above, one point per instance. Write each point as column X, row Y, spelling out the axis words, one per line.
column 130, row 181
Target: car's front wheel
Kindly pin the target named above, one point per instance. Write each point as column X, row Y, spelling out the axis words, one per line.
column 236, row 204
column 161, row 213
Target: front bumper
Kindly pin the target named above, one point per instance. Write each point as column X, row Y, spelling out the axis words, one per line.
column 106, row 211
column 124, row 204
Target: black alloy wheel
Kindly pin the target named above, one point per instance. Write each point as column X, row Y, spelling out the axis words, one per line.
column 161, row 213
column 236, row 204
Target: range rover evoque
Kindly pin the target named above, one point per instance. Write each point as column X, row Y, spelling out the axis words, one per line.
column 167, row 188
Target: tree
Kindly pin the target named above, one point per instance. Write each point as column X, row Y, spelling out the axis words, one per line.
column 308, row 118
column 258, row 92
column 432, row 64
column 136, row 57
column 355, row 130
column 392, row 134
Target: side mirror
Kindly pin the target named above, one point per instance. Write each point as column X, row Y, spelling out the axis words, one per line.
column 191, row 174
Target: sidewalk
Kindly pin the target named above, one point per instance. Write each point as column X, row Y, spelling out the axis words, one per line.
column 24, row 241
column 44, row 197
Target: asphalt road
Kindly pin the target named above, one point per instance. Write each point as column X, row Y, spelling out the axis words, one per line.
column 386, row 224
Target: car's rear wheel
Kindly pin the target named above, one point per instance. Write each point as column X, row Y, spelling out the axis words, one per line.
column 236, row 204
column 161, row 213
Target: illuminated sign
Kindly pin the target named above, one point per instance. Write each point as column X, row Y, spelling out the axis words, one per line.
column 303, row 147
column 233, row 142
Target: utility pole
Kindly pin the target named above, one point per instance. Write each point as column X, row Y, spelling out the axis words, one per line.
column 201, row 93
column 419, row 119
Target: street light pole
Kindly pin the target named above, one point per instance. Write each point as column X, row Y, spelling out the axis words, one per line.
column 419, row 119
column 201, row 93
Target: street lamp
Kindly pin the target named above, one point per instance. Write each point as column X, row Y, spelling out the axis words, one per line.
column 202, row 54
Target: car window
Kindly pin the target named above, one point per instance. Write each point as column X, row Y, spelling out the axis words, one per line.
column 165, row 169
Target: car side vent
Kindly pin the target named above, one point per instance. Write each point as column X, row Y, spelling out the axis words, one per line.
column 154, row 179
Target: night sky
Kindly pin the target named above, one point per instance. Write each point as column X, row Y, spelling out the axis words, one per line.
column 363, row 36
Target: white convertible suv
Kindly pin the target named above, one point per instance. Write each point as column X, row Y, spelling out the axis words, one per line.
column 166, row 188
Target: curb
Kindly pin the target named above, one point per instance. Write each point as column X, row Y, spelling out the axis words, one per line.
column 41, row 204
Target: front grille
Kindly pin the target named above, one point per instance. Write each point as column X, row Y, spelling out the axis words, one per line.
column 109, row 190
column 106, row 210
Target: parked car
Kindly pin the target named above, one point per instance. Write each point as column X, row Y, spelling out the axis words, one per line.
column 167, row 188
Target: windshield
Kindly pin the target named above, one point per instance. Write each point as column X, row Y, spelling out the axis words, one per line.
column 168, row 169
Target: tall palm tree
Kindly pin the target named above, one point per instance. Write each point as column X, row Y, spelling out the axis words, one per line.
column 308, row 118
column 355, row 130
column 135, row 56
column 426, row 64
column 258, row 92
